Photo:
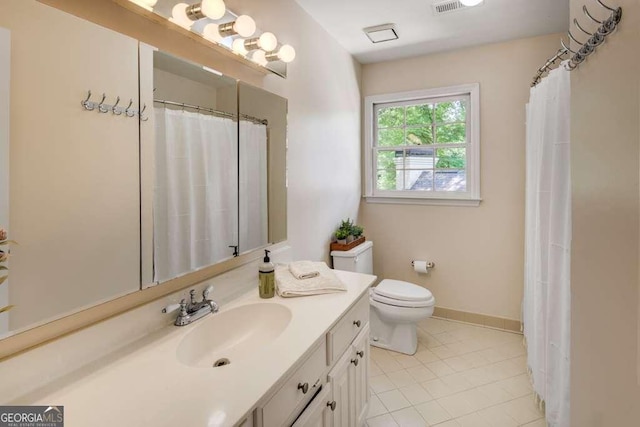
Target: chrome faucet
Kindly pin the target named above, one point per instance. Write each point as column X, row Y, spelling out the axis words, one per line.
column 194, row 310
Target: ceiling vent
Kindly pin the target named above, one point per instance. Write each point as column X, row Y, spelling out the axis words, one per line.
column 449, row 6
column 381, row 33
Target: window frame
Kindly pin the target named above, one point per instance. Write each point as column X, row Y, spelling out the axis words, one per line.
column 471, row 197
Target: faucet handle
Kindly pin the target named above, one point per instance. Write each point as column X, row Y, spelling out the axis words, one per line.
column 207, row 291
column 192, row 292
column 183, row 307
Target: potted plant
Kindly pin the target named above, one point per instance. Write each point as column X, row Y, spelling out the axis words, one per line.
column 357, row 231
column 347, row 227
column 341, row 236
column 3, row 258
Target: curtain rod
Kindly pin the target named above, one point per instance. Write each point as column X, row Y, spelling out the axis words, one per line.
column 596, row 38
column 214, row 112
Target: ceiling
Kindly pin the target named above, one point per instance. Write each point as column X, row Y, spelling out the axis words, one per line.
column 422, row 32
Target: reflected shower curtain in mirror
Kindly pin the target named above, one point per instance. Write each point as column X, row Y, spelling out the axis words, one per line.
column 195, row 202
column 253, row 186
column 547, row 297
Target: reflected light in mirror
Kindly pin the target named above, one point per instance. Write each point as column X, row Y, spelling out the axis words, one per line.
column 238, row 46
column 260, row 57
column 179, row 16
column 211, row 33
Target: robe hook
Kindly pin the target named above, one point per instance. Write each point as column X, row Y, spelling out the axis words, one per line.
column 114, row 109
column 144, row 119
column 101, row 106
column 128, row 111
column 86, row 104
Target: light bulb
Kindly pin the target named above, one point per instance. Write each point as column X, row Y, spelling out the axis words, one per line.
column 268, row 41
column 179, row 16
column 238, row 47
column 214, row 9
column 260, row 57
column 471, row 2
column 245, row 26
column 211, row 33
column 287, row 53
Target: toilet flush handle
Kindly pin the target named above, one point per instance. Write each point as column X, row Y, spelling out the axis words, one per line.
column 356, row 260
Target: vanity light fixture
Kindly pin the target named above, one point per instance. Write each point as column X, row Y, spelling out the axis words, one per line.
column 260, row 57
column 185, row 15
column 286, row 54
column 267, row 42
column 147, row 4
column 213, row 9
column 244, row 26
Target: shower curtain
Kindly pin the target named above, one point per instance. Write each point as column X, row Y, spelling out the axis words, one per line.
column 253, row 186
column 196, row 200
column 547, row 298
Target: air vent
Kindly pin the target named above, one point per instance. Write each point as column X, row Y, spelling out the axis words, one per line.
column 449, row 6
column 381, row 33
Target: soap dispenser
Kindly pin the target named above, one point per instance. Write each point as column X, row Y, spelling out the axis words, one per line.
column 267, row 286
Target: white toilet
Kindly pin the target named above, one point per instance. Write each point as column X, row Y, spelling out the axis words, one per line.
column 396, row 306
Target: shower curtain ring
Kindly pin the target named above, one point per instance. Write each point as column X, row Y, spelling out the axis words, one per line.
column 586, row 12
column 577, row 24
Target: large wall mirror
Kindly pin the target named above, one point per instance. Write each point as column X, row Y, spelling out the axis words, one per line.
column 106, row 201
column 218, row 167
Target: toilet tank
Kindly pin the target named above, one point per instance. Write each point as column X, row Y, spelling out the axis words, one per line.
column 358, row 259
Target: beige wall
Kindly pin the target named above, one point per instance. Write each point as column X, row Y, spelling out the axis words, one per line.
column 604, row 265
column 478, row 251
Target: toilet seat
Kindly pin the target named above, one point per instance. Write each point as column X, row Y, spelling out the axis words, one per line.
column 402, row 294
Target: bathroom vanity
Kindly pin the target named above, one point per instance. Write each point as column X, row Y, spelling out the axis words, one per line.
column 310, row 370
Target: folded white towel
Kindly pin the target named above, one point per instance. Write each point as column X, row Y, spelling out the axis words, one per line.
column 326, row 282
column 304, row 269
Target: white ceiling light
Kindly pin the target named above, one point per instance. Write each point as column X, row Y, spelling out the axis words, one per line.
column 267, row 42
column 244, row 25
column 286, row 53
column 471, row 3
column 381, row 33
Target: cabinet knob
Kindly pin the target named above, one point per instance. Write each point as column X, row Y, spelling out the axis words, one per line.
column 357, row 323
column 332, row 405
column 354, row 361
column 304, row 387
column 360, row 353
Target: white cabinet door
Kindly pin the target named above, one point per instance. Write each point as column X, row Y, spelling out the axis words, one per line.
column 318, row 413
column 341, row 381
column 361, row 376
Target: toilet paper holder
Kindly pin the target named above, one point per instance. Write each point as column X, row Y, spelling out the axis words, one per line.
column 429, row 264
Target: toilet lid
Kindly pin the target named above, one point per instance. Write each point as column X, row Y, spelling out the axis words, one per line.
column 402, row 294
column 401, row 303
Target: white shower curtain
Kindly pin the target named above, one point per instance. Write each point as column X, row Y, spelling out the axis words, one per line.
column 547, row 298
column 195, row 202
column 253, row 186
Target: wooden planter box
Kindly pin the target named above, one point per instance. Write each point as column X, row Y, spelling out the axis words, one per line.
column 347, row 247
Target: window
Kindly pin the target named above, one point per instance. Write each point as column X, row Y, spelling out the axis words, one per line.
column 423, row 146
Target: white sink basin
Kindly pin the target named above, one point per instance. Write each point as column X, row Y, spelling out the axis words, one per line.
column 233, row 334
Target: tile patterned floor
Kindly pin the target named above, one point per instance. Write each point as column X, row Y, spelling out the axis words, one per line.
column 461, row 376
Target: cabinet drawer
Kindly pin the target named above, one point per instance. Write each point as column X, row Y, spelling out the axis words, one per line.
column 341, row 335
column 290, row 395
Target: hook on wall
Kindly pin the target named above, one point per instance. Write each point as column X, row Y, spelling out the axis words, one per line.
column 101, row 107
column 144, row 119
column 128, row 111
column 115, row 110
column 88, row 105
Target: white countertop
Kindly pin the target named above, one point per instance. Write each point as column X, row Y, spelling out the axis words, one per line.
column 146, row 385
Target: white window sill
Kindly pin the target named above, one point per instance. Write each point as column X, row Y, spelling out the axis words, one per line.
column 423, row 201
